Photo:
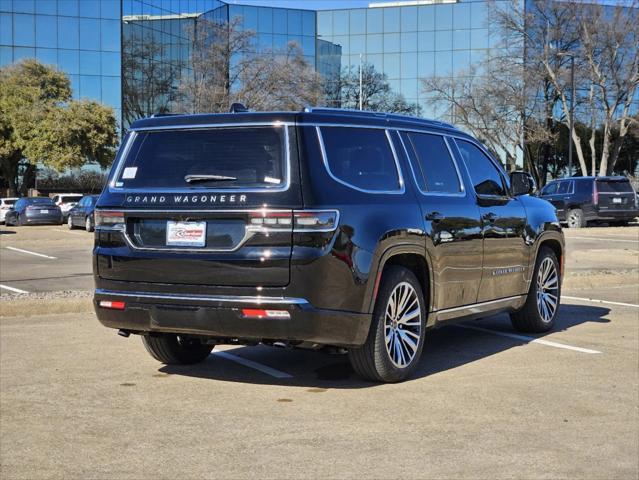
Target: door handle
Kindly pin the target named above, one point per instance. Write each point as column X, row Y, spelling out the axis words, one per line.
column 434, row 216
column 490, row 217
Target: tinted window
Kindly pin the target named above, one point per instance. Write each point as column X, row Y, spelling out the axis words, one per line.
column 33, row 201
column 361, row 158
column 619, row 186
column 550, row 189
column 213, row 158
column 483, row 173
column 435, row 170
column 564, row 187
column 584, row 186
column 8, row 202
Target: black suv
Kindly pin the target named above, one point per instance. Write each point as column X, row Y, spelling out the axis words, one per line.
column 583, row 200
column 317, row 228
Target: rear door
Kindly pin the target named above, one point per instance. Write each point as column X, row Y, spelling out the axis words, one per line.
column 207, row 206
column 451, row 219
column 565, row 193
column 615, row 195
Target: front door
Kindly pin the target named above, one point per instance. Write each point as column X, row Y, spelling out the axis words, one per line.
column 506, row 252
column 451, row 220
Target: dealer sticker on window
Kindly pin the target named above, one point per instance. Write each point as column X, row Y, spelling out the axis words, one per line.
column 185, row 234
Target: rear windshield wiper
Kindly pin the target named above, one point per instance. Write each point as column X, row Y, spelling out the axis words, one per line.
column 206, row 178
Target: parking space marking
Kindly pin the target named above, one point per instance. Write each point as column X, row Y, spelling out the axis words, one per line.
column 604, row 239
column 595, row 300
column 254, row 365
column 527, row 339
column 12, row 289
column 31, row 253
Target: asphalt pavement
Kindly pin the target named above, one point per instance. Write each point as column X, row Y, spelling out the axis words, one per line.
column 78, row 401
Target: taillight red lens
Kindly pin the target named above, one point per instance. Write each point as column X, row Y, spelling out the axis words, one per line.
column 107, row 218
column 112, row 305
column 261, row 313
column 301, row 220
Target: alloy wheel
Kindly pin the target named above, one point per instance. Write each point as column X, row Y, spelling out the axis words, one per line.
column 402, row 325
column 547, row 289
column 573, row 220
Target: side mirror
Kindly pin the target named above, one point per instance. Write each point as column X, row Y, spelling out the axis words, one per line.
column 522, row 183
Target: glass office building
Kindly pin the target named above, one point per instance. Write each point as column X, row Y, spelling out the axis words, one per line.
column 80, row 37
column 131, row 54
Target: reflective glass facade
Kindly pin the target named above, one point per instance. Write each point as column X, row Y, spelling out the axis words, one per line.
column 80, row 37
column 407, row 43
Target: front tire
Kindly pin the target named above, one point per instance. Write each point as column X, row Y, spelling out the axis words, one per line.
column 88, row 224
column 396, row 337
column 542, row 304
column 70, row 223
column 174, row 349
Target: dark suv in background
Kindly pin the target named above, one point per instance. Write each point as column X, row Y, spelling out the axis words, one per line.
column 317, row 228
column 583, row 200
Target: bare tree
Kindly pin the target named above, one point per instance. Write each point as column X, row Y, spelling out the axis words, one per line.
column 148, row 77
column 376, row 92
column 280, row 80
column 609, row 43
column 221, row 53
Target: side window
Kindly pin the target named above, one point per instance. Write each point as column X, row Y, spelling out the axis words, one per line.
column 483, row 173
column 564, row 187
column 435, row 170
column 550, row 189
column 361, row 158
column 84, row 202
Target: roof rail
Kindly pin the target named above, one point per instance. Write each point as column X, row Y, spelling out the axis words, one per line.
column 369, row 113
column 157, row 115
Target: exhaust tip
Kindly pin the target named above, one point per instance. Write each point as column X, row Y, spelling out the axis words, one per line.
column 124, row 333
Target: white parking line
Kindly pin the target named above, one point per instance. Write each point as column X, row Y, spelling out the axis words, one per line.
column 12, row 289
column 251, row 364
column 604, row 239
column 31, row 253
column 527, row 339
column 594, row 300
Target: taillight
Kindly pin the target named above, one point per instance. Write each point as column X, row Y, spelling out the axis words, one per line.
column 595, row 193
column 301, row 220
column 107, row 218
column 112, row 305
column 260, row 313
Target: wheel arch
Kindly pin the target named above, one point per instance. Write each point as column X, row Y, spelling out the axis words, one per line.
column 554, row 241
column 411, row 256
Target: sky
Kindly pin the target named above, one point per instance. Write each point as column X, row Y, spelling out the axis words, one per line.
column 306, row 4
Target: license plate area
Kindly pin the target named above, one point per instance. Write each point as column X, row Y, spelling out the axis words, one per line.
column 185, row 234
column 44, row 211
column 617, row 200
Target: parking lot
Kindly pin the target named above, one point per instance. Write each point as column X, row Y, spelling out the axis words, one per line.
column 78, row 401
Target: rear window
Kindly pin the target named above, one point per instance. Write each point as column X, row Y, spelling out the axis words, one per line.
column 70, row 198
column 219, row 158
column 9, row 201
column 360, row 158
column 31, row 201
column 614, row 186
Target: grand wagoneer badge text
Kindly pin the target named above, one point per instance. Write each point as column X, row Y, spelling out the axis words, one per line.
column 174, row 199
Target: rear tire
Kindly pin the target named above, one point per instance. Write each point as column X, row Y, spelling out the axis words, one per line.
column 70, row 223
column 396, row 337
column 575, row 218
column 174, row 349
column 542, row 304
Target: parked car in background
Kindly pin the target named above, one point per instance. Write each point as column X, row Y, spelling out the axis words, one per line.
column 583, row 200
column 66, row 201
column 5, row 206
column 34, row 210
column 82, row 214
column 325, row 227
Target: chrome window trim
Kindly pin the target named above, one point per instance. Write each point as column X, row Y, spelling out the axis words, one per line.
column 281, row 188
column 461, row 193
column 402, row 186
column 257, row 300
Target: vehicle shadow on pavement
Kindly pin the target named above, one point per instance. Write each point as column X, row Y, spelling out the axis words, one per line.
column 7, row 232
column 444, row 349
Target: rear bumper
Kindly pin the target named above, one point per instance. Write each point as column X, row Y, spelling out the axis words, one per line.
column 616, row 214
column 48, row 220
column 221, row 317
